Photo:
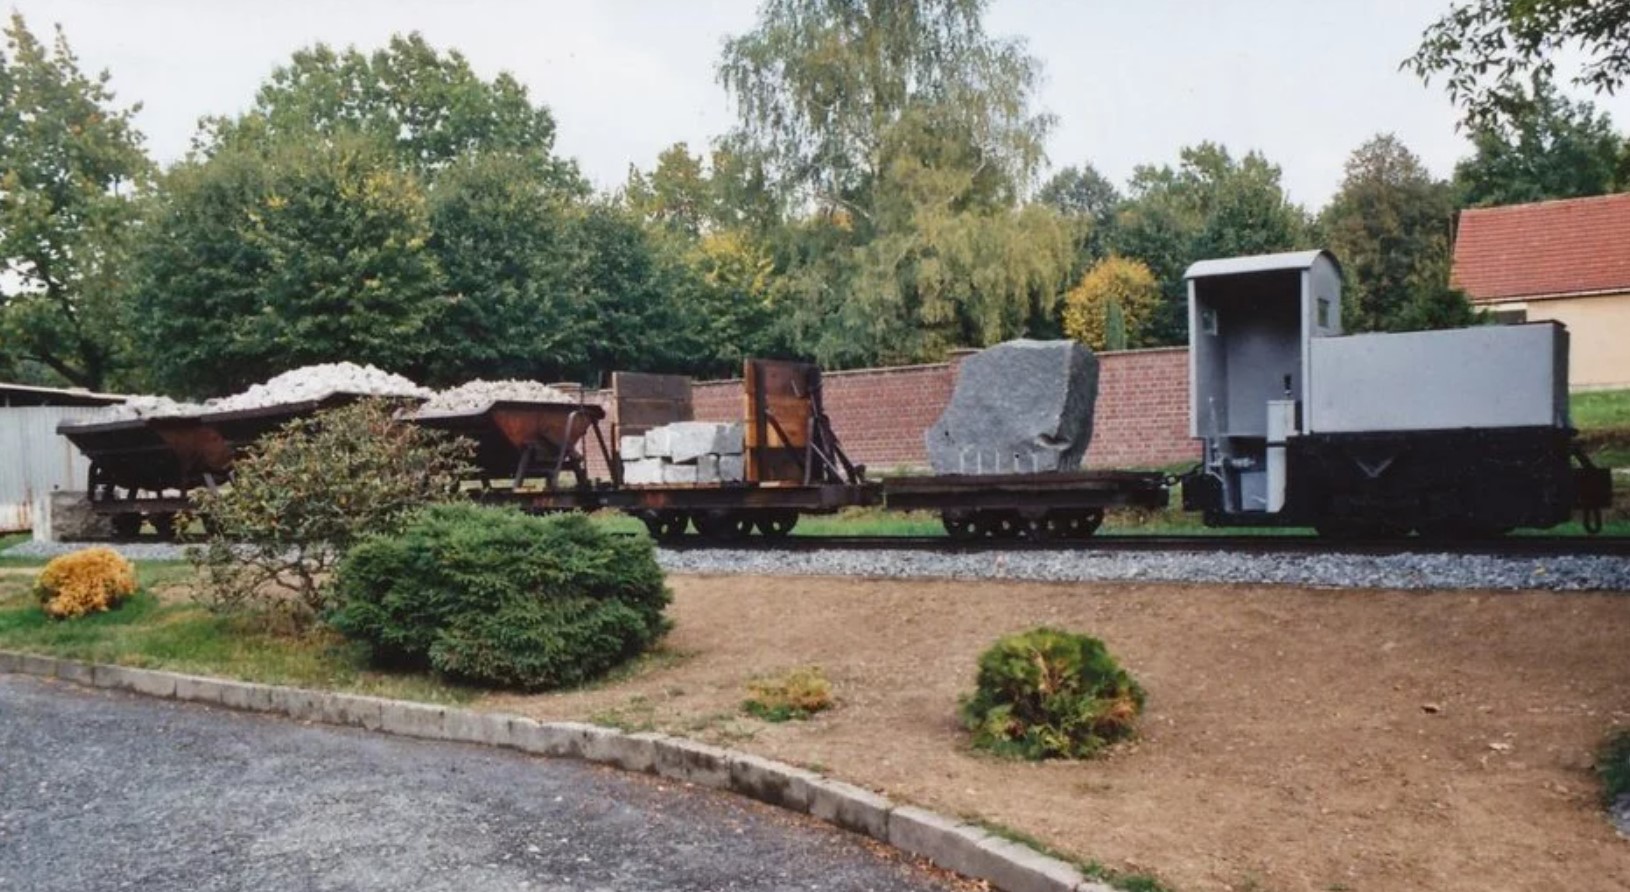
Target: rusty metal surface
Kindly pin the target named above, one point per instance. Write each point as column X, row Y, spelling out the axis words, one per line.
column 506, row 432
column 640, row 401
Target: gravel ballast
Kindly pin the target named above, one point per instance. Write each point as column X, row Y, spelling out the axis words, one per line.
column 1396, row 571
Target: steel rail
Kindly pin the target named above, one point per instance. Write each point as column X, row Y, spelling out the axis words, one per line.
column 1513, row 546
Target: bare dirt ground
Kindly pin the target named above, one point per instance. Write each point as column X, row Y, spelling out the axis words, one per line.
column 1294, row 739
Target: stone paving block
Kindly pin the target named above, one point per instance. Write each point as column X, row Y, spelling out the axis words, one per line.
column 850, row 807
column 474, row 726
column 119, row 678
column 564, row 740
column 10, row 661
column 631, row 448
column 197, row 689
column 630, row 752
column 693, row 763
column 153, row 683
column 298, row 703
column 37, row 664
column 681, row 474
column 246, row 695
column 1013, row 867
column 354, row 710
column 948, row 843
column 75, row 671
column 769, row 781
column 414, row 720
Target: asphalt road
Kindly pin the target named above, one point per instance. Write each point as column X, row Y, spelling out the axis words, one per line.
column 105, row 791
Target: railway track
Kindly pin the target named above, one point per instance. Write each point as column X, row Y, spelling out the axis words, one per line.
column 1514, row 546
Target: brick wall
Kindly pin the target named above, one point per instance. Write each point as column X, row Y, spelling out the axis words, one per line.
column 880, row 414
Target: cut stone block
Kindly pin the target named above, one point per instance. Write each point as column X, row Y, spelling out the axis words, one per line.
column 707, row 469
column 658, row 444
column 772, row 782
column 690, row 440
column 1020, row 407
column 732, row 468
column 631, row 448
column 850, row 807
column 645, row 472
column 732, row 439
column 679, row 474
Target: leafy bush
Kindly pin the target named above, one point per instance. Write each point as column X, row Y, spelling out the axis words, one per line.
column 498, row 597
column 1048, row 693
column 91, row 580
column 1613, row 765
column 798, row 694
column 304, row 493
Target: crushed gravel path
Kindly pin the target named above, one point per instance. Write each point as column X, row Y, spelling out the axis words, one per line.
column 1394, row 571
column 103, row 791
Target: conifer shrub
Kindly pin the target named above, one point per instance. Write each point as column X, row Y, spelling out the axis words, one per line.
column 91, row 580
column 501, row 598
column 1047, row 693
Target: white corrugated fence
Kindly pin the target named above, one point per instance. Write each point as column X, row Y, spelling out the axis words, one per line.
column 35, row 459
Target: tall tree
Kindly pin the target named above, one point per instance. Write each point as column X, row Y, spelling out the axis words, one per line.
column 256, row 262
column 906, row 132
column 71, row 169
column 1489, row 52
column 1389, row 225
column 1088, row 201
column 1549, row 148
column 1210, row 205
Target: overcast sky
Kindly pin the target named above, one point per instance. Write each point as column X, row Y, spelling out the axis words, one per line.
column 1304, row 82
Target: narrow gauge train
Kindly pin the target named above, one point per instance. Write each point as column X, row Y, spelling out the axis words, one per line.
column 1454, row 433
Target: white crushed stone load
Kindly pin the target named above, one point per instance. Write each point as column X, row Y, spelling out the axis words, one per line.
column 477, row 395
column 318, row 382
column 685, row 452
column 140, row 406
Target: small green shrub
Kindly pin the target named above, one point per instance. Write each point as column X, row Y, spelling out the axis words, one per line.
column 305, row 492
column 498, row 597
column 1047, row 693
column 798, row 694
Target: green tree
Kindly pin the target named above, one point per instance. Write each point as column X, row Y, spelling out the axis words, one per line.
column 1389, row 225
column 1210, row 205
column 904, row 132
column 1549, row 148
column 429, row 107
column 1087, row 201
column 1489, row 52
column 71, row 170
column 258, row 262
column 1113, row 305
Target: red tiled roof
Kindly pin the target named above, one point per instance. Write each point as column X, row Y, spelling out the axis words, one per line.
column 1572, row 246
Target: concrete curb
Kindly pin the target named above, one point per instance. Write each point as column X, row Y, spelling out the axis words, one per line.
column 950, row 844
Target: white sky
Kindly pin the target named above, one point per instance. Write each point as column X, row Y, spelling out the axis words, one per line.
column 1304, row 82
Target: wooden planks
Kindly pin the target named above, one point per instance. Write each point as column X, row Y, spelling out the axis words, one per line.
column 641, row 401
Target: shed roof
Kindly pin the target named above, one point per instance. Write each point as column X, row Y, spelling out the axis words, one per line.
column 1259, row 263
column 1544, row 249
column 28, row 395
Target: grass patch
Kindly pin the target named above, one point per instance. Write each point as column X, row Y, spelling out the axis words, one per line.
column 1092, row 870
column 1599, row 409
column 797, row 694
column 1613, row 765
column 155, row 633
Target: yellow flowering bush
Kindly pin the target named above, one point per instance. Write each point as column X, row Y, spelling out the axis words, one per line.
column 92, row 580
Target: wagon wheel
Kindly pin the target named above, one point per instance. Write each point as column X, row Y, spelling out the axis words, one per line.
column 998, row 524
column 723, row 526
column 1078, row 524
column 163, row 524
column 777, row 524
column 126, row 526
column 666, row 525
column 958, row 526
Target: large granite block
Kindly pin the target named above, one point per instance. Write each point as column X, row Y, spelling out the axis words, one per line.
column 1019, row 407
column 690, row 440
column 631, row 448
column 645, row 472
column 732, row 468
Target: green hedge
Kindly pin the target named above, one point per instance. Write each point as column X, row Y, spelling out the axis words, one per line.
column 502, row 598
column 1049, row 693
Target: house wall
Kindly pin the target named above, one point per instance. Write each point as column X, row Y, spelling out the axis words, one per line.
column 1598, row 337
